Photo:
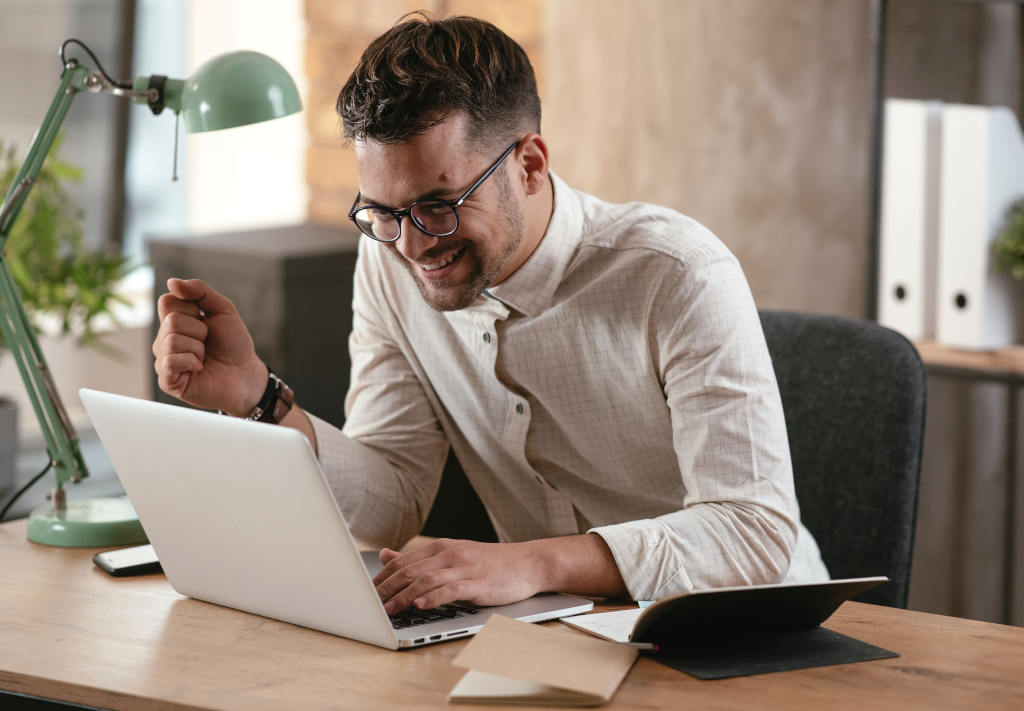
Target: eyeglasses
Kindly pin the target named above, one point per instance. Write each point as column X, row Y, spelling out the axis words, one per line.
column 436, row 217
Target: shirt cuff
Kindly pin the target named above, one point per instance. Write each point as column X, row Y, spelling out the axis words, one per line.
column 633, row 545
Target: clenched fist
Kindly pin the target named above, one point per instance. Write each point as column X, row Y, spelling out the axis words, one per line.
column 204, row 353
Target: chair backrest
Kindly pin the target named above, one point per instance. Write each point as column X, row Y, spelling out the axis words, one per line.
column 854, row 399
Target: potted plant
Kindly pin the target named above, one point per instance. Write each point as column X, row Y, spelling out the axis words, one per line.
column 1009, row 244
column 54, row 273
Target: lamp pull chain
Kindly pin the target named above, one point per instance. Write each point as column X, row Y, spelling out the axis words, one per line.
column 174, row 170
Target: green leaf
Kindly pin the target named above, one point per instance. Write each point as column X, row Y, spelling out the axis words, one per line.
column 1009, row 244
column 51, row 270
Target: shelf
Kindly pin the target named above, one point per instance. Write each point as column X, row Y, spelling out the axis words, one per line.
column 1008, row 361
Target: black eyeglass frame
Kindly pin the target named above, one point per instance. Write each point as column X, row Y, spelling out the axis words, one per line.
column 453, row 204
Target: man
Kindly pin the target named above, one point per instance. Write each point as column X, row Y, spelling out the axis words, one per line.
column 599, row 369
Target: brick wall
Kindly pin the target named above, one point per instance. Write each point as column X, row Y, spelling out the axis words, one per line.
column 339, row 30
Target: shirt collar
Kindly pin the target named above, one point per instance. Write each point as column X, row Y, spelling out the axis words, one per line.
column 529, row 288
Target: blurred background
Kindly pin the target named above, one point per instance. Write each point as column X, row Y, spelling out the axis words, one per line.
column 760, row 119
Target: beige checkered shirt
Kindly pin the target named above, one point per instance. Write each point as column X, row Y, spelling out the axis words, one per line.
column 618, row 382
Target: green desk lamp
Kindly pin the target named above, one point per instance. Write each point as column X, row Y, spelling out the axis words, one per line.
column 230, row 90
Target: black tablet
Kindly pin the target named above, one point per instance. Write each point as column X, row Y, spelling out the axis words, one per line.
column 707, row 617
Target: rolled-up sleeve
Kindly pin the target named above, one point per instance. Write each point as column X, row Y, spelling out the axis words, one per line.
column 739, row 521
column 384, row 467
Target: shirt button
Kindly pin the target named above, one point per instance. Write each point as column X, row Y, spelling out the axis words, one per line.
column 519, row 408
column 487, row 337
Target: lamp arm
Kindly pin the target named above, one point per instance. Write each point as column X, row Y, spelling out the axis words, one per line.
column 75, row 78
column 59, row 434
column 72, row 81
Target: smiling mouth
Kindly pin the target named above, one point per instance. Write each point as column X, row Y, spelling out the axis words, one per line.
column 443, row 262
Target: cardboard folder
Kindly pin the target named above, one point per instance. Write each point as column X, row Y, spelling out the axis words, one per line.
column 513, row 662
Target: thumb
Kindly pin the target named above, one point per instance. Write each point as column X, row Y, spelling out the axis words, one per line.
column 387, row 555
column 205, row 296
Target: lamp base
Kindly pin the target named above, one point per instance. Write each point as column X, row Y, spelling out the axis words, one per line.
column 89, row 523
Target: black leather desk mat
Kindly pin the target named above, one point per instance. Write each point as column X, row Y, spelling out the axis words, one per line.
column 762, row 654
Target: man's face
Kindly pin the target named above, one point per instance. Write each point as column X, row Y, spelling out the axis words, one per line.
column 451, row 272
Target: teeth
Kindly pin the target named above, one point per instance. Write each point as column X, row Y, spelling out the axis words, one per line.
column 443, row 263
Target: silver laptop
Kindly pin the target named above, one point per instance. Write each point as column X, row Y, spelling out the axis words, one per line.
column 240, row 515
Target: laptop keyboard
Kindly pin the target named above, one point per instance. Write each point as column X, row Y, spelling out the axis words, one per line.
column 411, row 617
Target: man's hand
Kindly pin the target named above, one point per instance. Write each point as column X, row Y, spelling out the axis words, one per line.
column 204, row 353
column 447, row 570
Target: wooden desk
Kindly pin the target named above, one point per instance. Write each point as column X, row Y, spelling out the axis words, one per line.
column 68, row 631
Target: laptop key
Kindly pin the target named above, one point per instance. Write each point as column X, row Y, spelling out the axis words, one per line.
column 412, row 617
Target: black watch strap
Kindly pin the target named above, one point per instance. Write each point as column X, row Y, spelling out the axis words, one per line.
column 276, row 402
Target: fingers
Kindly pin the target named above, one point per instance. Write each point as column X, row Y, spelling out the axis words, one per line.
column 180, row 332
column 394, row 561
column 435, row 597
column 179, row 348
column 448, row 570
column 407, row 577
column 201, row 294
column 193, row 297
column 169, row 303
column 432, row 591
column 424, row 586
column 186, row 326
column 174, row 373
column 176, row 343
column 175, row 367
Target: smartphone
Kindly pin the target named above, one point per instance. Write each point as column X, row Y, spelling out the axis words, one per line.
column 136, row 560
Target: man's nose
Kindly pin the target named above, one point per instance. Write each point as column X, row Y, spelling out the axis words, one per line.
column 414, row 241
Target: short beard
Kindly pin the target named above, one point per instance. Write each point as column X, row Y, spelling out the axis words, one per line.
column 463, row 295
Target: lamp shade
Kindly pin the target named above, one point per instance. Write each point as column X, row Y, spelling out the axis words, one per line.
column 235, row 89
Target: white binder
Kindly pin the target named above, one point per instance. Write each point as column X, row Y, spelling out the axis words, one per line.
column 979, row 307
column 908, row 233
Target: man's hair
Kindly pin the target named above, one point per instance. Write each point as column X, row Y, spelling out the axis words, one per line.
column 422, row 70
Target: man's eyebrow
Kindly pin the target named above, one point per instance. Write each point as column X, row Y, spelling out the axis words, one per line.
column 435, row 193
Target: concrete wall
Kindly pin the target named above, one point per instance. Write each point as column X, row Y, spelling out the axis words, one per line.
column 751, row 117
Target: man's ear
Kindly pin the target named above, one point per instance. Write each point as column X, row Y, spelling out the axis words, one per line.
column 532, row 155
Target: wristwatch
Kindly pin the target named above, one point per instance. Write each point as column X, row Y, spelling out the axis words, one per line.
column 277, row 400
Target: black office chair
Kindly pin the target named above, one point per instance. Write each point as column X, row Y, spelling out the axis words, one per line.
column 854, row 399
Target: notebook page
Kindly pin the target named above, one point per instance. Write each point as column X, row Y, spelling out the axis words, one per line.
column 613, row 626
